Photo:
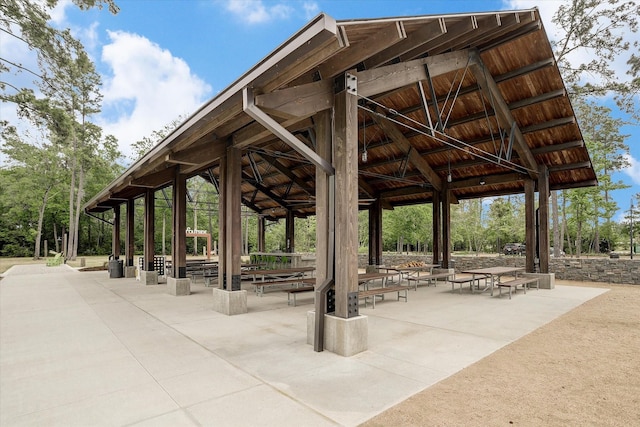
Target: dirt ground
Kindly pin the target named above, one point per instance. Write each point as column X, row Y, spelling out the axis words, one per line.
column 580, row 369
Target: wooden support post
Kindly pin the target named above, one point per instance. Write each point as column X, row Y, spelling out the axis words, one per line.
column 345, row 152
column 375, row 233
column 543, row 217
column 446, row 228
column 437, row 226
column 325, row 237
column 261, row 224
column 115, row 240
column 530, row 229
column 233, row 212
column 222, row 223
column 149, row 229
column 290, row 232
column 179, row 218
column 130, row 241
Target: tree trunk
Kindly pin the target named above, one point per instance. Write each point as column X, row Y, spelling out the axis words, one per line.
column 36, row 254
column 72, row 211
column 55, row 237
column 74, row 237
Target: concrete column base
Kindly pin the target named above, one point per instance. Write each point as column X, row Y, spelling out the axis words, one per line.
column 546, row 280
column 129, row 272
column 149, row 277
column 178, row 287
column 345, row 337
column 229, row 302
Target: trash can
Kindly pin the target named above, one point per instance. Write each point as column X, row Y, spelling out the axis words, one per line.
column 116, row 268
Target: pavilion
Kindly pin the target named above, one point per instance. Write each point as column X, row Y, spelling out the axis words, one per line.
column 367, row 114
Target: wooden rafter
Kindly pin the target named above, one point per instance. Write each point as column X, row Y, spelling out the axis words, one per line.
column 414, row 157
column 505, row 118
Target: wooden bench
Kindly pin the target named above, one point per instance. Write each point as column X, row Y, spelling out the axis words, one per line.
column 429, row 278
column 513, row 284
column 373, row 292
column 462, row 280
column 259, row 286
column 277, row 273
column 296, row 291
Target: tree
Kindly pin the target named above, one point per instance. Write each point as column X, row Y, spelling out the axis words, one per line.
column 38, row 187
column 28, row 22
column 600, row 29
column 609, row 154
column 142, row 146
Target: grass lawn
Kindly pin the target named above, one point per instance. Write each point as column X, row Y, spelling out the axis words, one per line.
column 90, row 261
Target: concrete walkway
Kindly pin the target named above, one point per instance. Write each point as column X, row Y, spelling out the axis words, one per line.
column 79, row 349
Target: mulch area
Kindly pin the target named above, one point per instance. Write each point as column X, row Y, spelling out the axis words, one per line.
column 583, row 368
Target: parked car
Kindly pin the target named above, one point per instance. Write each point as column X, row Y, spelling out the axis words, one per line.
column 513, row 249
column 552, row 253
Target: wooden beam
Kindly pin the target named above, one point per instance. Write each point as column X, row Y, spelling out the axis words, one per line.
column 149, row 230
column 488, row 180
column 549, row 124
column 233, row 242
column 197, row 155
column 530, row 229
column 414, row 157
column 115, row 240
column 503, row 114
column 297, row 101
column 570, row 166
column 378, row 40
column 390, row 77
column 436, row 207
column 423, row 35
column 287, row 172
column 277, row 129
column 129, row 248
column 468, row 26
column 558, row 147
column 345, row 152
column 543, row 217
column 179, row 219
column 154, row 180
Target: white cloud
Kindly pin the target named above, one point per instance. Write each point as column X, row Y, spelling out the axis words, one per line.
column 148, row 88
column 633, row 170
column 311, row 9
column 255, row 11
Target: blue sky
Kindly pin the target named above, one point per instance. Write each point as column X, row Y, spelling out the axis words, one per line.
column 161, row 59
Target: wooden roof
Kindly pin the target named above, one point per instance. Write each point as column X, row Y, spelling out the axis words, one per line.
column 503, row 111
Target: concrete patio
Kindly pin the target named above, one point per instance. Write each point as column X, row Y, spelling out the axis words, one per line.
column 83, row 349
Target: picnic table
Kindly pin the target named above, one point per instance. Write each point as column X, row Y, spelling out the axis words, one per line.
column 492, row 274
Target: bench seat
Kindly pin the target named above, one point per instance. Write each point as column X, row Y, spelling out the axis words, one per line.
column 429, row 278
column 259, row 286
column 513, row 284
column 462, row 280
column 373, row 292
column 296, row 291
